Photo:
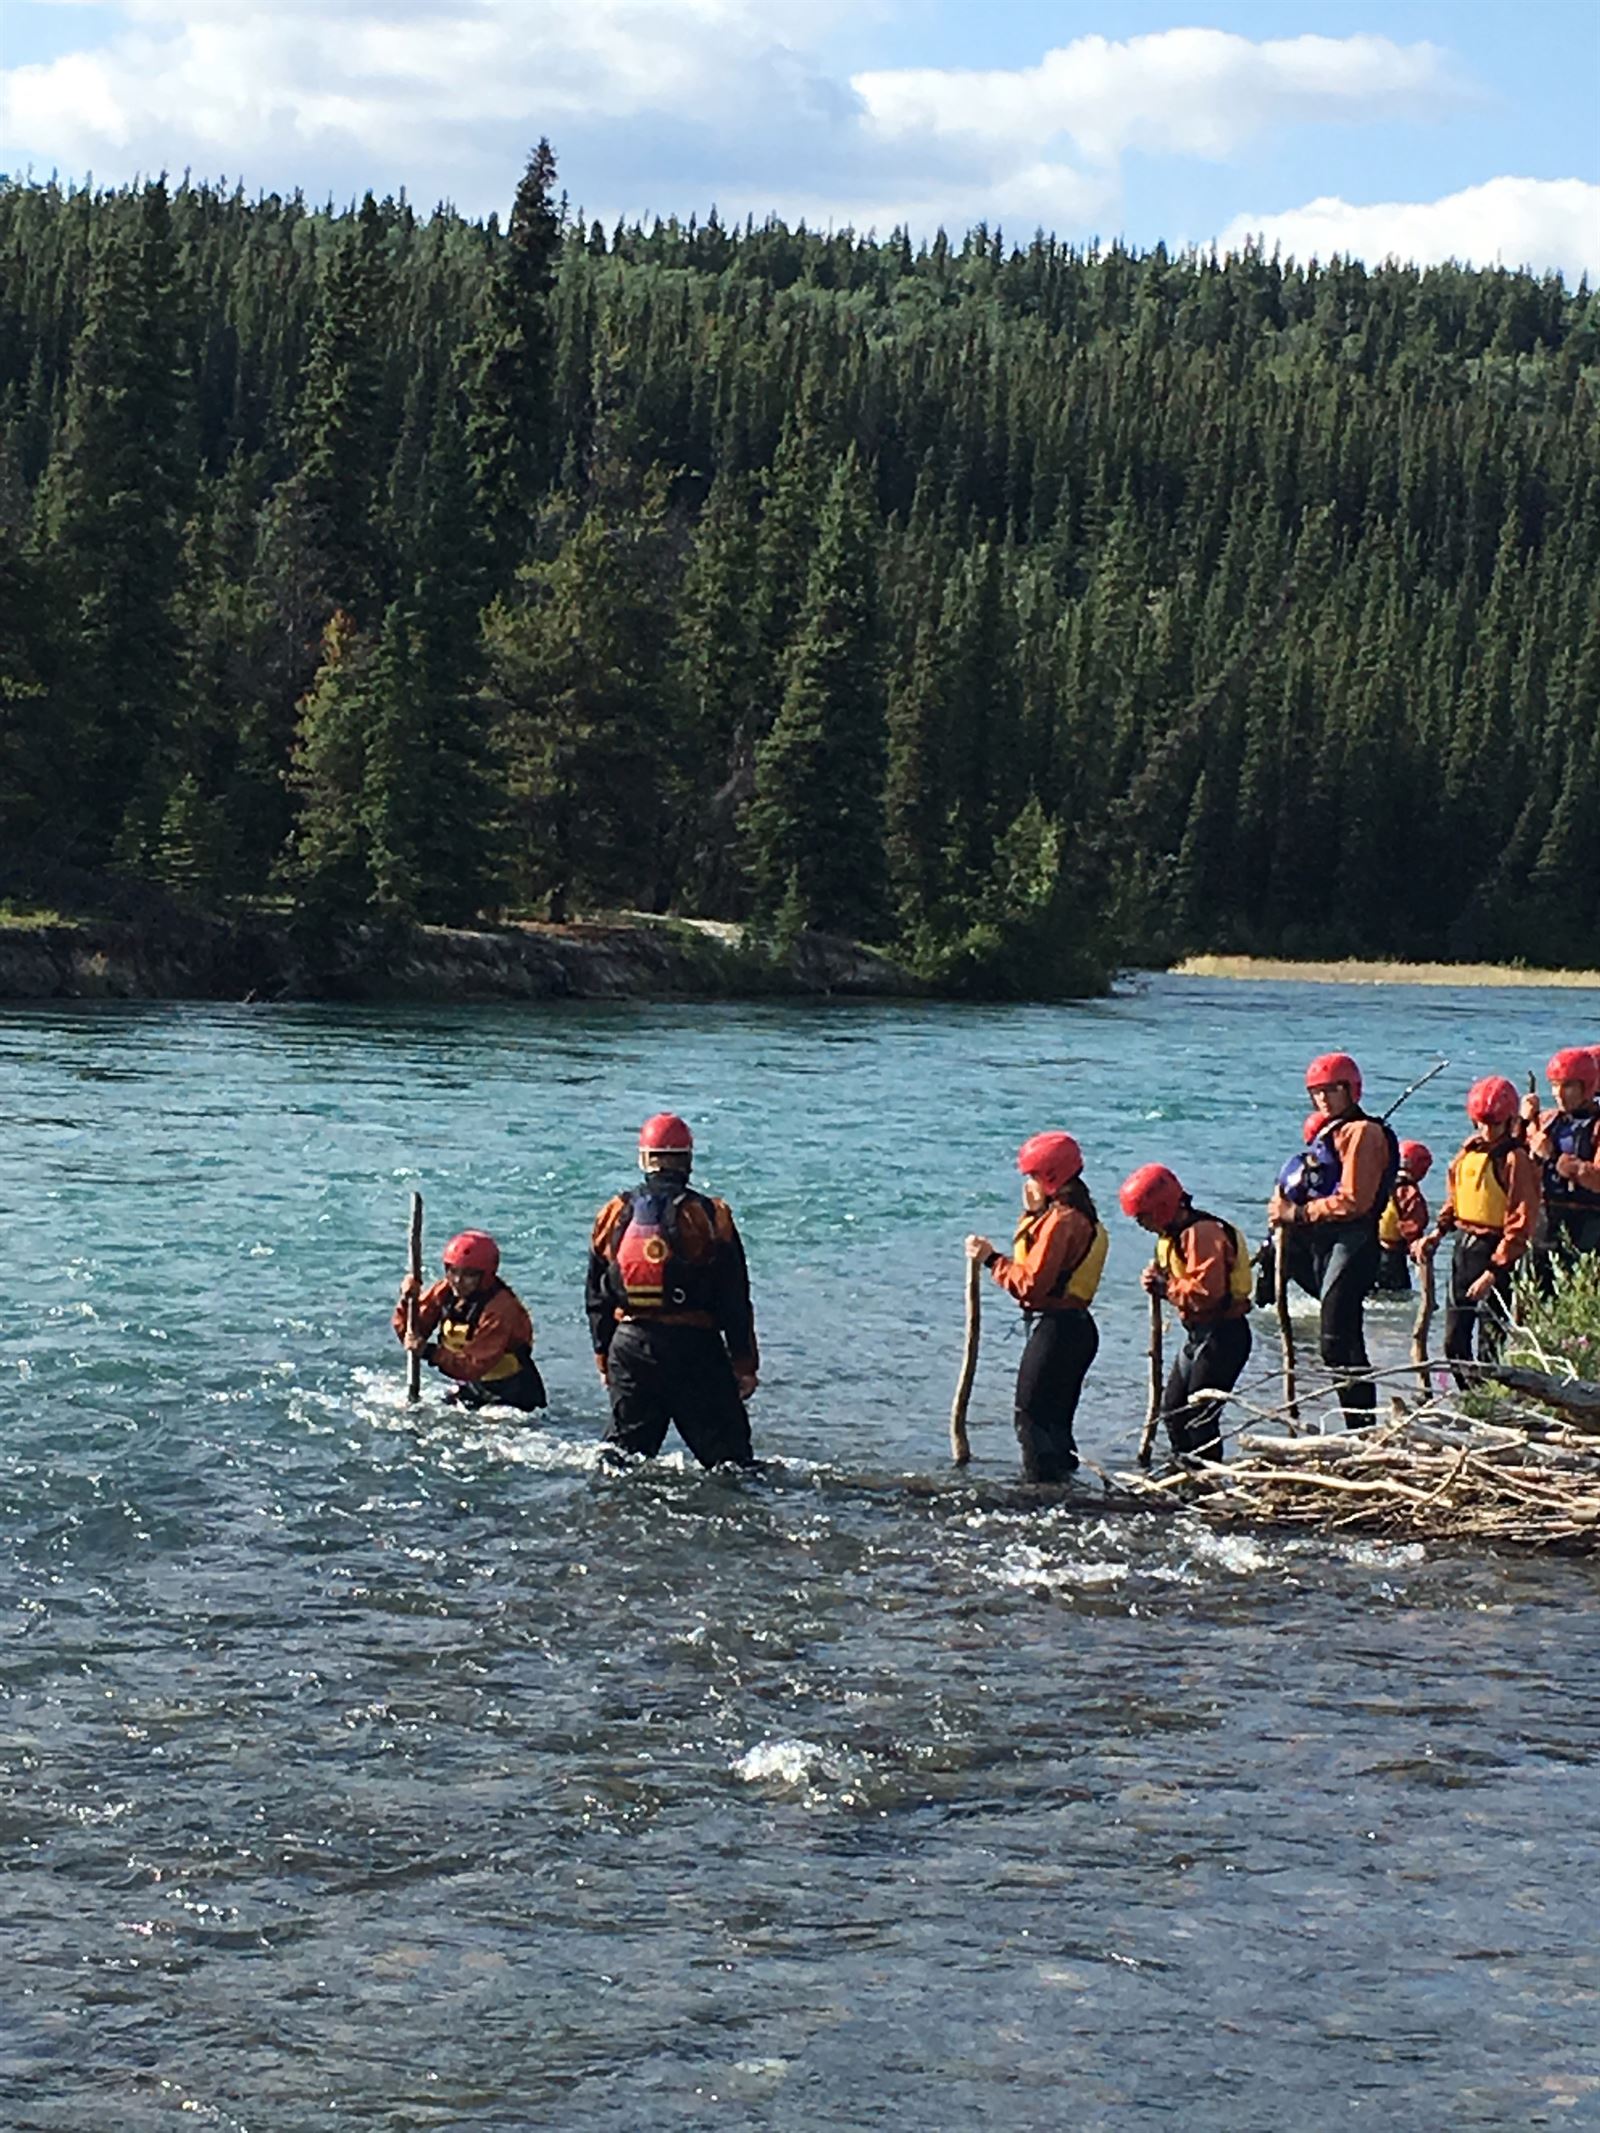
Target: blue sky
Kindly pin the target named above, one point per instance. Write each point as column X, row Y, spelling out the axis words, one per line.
column 1428, row 130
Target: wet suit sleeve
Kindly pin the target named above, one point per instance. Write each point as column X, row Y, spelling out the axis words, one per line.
column 502, row 1324
column 1587, row 1178
column 1056, row 1245
column 597, row 1299
column 1412, row 1211
column 1363, row 1151
column 1522, row 1208
column 1197, row 1287
column 735, row 1314
column 430, row 1309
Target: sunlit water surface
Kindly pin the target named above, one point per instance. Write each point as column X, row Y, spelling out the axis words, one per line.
column 361, row 1766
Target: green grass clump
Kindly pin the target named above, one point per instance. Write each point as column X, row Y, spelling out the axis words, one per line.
column 1563, row 1323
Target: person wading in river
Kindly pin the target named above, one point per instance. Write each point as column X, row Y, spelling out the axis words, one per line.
column 1053, row 1272
column 1492, row 1205
column 1326, row 1207
column 1404, row 1219
column 1566, row 1142
column 472, row 1328
column 1203, row 1269
column 668, row 1298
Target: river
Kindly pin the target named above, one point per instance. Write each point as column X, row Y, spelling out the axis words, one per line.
column 361, row 1766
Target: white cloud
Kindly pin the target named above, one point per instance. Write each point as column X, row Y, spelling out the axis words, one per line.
column 1541, row 223
column 1187, row 92
column 656, row 105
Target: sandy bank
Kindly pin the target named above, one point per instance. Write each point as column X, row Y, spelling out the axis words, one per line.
column 1359, row 973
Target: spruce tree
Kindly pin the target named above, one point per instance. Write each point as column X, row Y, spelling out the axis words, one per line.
column 29, row 773
column 583, row 702
column 507, row 367
column 814, row 830
column 325, row 863
column 112, row 498
column 339, row 428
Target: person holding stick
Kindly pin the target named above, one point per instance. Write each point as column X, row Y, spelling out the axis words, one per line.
column 1325, row 1209
column 1492, row 1204
column 472, row 1328
column 1203, row 1268
column 1053, row 1271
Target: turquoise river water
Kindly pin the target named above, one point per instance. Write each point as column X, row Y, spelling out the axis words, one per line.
column 366, row 1767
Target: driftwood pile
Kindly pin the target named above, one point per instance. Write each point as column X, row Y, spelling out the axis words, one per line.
column 1527, row 1479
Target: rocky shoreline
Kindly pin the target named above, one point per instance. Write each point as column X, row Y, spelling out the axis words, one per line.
column 256, row 958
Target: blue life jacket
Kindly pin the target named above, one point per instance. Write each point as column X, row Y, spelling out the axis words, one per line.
column 1315, row 1172
column 1572, row 1135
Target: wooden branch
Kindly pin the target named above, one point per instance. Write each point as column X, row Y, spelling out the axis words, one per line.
column 414, row 1242
column 1280, row 1298
column 1424, row 1319
column 960, row 1447
column 1148, row 1437
column 1574, row 1398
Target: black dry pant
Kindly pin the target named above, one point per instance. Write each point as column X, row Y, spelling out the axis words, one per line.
column 1474, row 1255
column 1394, row 1270
column 661, row 1375
column 525, row 1390
column 1339, row 1269
column 1050, row 1378
column 1212, row 1359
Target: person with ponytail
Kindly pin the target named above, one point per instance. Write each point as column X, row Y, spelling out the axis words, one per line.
column 1053, row 1271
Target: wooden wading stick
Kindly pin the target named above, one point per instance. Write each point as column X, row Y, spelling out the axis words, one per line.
column 960, row 1449
column 1280, row 1298
column 413, row 1359
column 1424, row 1319
column 1157, row 1377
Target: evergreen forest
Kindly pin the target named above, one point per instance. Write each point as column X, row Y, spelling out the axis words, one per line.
column 1021, row 608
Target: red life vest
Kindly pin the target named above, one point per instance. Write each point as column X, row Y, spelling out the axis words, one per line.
column 663, row 1252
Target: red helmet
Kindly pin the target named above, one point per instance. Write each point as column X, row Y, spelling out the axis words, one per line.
column 475, row 1249
column 1054, row 1159
column 665, row 1134
column 1415, row 1159
column 1151, row 1194
column 1492, row 1101
column 1575, row 1065
column 1329, row 1068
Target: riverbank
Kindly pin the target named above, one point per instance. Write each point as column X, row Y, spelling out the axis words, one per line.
column 183, row 956
column 1354, row 972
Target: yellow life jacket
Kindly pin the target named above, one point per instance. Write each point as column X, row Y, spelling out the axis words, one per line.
column 1389, row 1226
column 1480, row 1188
column 456, row 1329
column 1241, row 1274
column 1084, row 1279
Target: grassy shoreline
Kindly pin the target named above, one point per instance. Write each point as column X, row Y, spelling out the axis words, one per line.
column 1350, row 971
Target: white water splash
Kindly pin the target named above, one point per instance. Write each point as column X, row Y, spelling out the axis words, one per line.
column 785, row 1761
column 1030, row 1568
column 817, row 1776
